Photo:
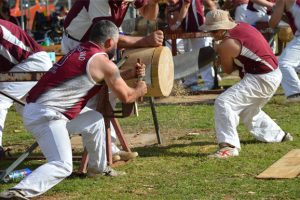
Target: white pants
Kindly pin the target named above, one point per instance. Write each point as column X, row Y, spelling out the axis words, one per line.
column 244, row 101
column 207, row 72
column 68, row 44
column 288, row 63
column 242, row 14
column 37, row 62
column 52, row 131
column 92, row 105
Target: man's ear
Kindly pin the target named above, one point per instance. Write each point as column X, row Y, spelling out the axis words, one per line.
column 108, row 43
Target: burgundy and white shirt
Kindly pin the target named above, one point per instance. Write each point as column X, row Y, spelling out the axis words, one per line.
column 84, row 13
column 15, row 45
column 195, row 16
column 68, row 85
column 293, row 16
column 256, row 55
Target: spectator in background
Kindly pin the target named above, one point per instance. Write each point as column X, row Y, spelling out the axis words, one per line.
column 289, row 60
column 83, row 14
column 237, row 9
column 257, row 10
column 5, row 12
column 188, row 15
column 58, row 17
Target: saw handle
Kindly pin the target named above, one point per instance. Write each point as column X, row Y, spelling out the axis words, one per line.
column 140, row 78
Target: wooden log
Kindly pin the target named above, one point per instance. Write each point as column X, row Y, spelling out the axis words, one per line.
column 159, row 69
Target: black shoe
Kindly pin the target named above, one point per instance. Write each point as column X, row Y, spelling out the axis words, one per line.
column 2, row 153
column 293, row 98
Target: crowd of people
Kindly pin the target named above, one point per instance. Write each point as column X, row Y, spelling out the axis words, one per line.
column 63, row 101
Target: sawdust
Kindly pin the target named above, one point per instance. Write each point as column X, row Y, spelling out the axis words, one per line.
column 178, row 89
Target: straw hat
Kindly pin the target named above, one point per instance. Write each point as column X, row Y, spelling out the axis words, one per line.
column 217, row 20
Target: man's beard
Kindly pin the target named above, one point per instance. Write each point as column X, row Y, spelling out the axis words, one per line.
column 111, row 53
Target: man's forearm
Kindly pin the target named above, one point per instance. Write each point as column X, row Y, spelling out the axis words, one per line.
column 150, row 11
column 132, row 42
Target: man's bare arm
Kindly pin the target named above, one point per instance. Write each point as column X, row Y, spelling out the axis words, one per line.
column 227, row 50
column 277, row 13
column 101, row 68
column 150, row 11
column 155, row 39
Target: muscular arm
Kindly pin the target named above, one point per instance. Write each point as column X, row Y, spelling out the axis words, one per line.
column 153, row 40
column 227, row 50
column 101, row 68
column 150, row 11
column 183, row 11
column 277, row 13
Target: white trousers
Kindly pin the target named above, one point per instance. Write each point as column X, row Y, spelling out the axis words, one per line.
column 207, row 72
column 37, row 62
column 68, row 44
column 92, row 105
column 240, row 13
column 52, row 131
column 244, row 101
column 288, row 63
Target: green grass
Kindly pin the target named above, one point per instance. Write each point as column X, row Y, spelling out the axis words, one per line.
column 180, row 169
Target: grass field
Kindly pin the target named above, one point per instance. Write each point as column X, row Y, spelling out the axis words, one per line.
column 180, row 169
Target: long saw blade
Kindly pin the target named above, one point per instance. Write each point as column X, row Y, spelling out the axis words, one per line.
column 190, row 62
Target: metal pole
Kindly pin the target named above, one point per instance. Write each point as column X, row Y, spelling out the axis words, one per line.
column 22, row 15
column 47, row 7
column 154, row 116
column 69, row 4
column 12, row 98
column 28, row 17
column 17, row 162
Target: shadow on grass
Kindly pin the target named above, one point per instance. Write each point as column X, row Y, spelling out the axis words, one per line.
column 171, row 150
column 251, row 141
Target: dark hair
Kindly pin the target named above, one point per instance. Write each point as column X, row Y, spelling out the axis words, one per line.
column 103, row 30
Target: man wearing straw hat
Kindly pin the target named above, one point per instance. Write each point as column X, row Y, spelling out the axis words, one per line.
column 242, row 47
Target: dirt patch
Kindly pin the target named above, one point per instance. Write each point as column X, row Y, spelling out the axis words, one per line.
column 192, row 99
column 133, row 140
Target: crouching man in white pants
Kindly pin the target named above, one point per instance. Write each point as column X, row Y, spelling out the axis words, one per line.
column 243, row 47
column 54, row 105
